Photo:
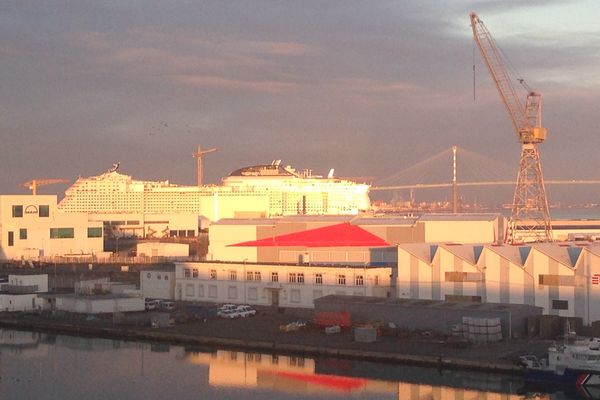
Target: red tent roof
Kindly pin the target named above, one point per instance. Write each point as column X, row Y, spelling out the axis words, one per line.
column 340, row 235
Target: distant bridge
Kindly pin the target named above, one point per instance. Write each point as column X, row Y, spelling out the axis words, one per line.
column 483, row 183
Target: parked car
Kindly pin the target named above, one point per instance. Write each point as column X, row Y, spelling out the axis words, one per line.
column 246, row 311
column 166, row 305
column 228, row 307
column 228, row 314
column 150, row 304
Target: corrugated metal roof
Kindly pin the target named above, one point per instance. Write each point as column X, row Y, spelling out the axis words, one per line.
column 316, row 218
column 248, row 221
column 459, row 217
column 559, row 253
column 394, row 221
column 464, row 251
column 423, row 251
column 513, row 254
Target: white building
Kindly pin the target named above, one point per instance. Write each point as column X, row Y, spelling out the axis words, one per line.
column 21, row 293
column 561, row 278
column 99, row 304
column 158, row 283
column 163, row 249
column 232, row 239
column 32, row 227
column 276, row 285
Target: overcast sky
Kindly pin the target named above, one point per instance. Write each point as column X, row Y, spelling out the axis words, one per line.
column 367, row 87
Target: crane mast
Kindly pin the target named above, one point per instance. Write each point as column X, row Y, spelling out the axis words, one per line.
column 530, row 217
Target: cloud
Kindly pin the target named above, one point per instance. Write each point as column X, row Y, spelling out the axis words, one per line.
column 275, row 87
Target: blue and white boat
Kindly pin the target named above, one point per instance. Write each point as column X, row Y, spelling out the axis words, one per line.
column 574, row 363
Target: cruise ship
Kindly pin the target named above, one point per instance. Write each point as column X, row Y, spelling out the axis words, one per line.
column 267, row 190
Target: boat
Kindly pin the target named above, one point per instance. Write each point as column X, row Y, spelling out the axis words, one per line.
column 573, row 363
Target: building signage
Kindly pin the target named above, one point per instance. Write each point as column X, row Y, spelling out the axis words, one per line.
column 31, row 209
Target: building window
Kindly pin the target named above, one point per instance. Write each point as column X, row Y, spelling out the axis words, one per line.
column 341, row 279
column 232, row 292
column 200, row 290
column 212, row 291
column 148, row 275
column 560, row 305
column 252, row 293
column 213, row 274
column 292, row 277
column 257, row 276
column 458, row 276
column 191, row 233
column 187, row 273
column 62, row 233
column 318, row 279
column 556, row 280
column 166, row 277
column 11, row 238
column 295, row 295
column 189, row 290
column 274, row 277
column 94, row 232
column 17, row 211
column 376, row 280
column 44, row 211
column 195, row 273
column 301, row 278
column 249, row 275
column 459, row 297
column 159, row 277
column 358, row 280
column 23, row 234
column 233, row 275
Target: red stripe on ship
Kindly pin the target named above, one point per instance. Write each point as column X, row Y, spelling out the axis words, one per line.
column 582, row 379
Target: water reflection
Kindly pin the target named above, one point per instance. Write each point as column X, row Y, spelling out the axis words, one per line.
column 69, row 367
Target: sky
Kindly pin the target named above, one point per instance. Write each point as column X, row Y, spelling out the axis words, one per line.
column 369, row 88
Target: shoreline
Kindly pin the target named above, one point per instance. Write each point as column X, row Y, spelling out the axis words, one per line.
column 441, row 360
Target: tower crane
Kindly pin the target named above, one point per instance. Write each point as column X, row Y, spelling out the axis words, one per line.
column 33, row 184
column 530, row 218
column 199, row 155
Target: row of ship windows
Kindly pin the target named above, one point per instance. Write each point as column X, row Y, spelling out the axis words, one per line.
column 292, row 277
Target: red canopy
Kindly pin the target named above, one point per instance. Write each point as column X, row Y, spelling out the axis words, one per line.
column 340, row 235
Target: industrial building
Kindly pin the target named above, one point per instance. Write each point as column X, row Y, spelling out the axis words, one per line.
column 277, row 285
column 343, row 239
column 562, row 279
column 31, row 227
column 21, row 293
column 158, row 283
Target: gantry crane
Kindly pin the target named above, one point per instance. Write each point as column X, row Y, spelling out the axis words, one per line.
column 199, row 155
column 530, row 218
column 33, row 184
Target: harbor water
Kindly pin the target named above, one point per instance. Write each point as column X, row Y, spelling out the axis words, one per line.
column 36, row 365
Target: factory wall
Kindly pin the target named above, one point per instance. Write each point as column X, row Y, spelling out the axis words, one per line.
column 276, row 285
column 564, row 280
column 32, row 227
column 157, row 284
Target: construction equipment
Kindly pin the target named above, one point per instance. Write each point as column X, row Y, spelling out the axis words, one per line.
column 530, row 218
column 199, row 155
column 33, row 184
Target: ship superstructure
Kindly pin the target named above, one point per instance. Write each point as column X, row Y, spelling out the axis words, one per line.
column 261, row 190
